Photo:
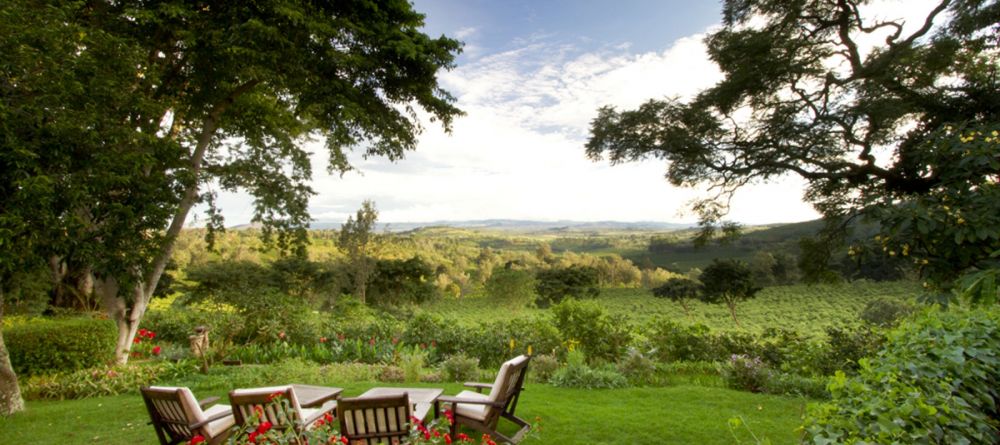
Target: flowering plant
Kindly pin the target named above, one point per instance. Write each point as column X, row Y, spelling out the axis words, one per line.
column 142, row 344
column 259, row 430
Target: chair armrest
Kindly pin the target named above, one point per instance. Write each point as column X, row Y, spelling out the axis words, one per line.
column 479, row 386
column 458, row 400
column 206, row 401
column 209, row 420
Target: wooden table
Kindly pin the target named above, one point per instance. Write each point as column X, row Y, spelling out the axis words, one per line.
column 311, row 396
column 421, row 398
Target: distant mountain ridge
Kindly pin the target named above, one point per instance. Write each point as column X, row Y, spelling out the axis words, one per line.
column 511, row 225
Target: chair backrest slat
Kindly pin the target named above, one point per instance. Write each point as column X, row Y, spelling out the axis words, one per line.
column 374, row 420
column 282, row 415
column 172, row 410
column 507, row 388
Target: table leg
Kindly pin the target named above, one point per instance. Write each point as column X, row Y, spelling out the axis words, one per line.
column 437, row 409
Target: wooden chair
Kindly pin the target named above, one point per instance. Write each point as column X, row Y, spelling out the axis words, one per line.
column 482, row 412
column 177, row 417
column 375, row 420
column 286, row 414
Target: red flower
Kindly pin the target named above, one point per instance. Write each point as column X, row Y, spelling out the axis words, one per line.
column 447, row 438
column 273, row 396
column 423, row 346
column 281, row 335
column 252, row 437
column 264, row 427
column 322, row 339
column 341, row 337
column 427, row 435
column 150, row 335
column 156, row 350
column 434, row 343
column 371, row 341
column 137, row 340
column 344, row 439
column 395, row 340
column 328, row 417
column 196, row 439
column 464, row 437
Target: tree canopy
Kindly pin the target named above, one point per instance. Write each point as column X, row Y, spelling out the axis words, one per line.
column 873, row 128
column 119, row 117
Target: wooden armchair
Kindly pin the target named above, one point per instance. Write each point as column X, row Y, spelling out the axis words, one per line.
column 177, row 417
column 482, row 412
column 375, row 420
column 287, row 414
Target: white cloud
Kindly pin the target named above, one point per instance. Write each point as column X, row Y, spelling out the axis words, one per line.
column 518, row 153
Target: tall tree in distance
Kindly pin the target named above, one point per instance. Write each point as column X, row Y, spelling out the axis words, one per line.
column 360, row 242
column 728, row 282
column 900, row 131
column 154, row 106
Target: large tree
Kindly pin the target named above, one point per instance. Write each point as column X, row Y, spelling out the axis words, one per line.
column 882, row 118
column 360, row 242
column 162, row 103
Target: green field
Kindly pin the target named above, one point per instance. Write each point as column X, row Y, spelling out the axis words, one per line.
column 807, row 309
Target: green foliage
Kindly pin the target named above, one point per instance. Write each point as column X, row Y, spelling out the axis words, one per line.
column 728, row 281
column 745, row 373
column 543, row 367
column 511, row 287
column 822, row 108
column 49, row 345
column 555, row 285
column 796, row 385
column 396, row 282
column 102, row 381
column 935, row 380
column 412, row 360
column 637, row 368
column 600, row 336
column 680, row 290
column 460, row 368
column 674, row 342
column 359, row 242
column 884, row 312
column 577, row 374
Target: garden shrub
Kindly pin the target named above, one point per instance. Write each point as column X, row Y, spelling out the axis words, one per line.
column 577, row 374
column 496, row 342
column 847, row 346
column 934, row 382
column 676, row 342
column 50, row 345
column 745, row 373
column 395, row 282
column 174, row 322
column 796, row 385
column 94, row 382
column 885, row 312
column 637, row 368
column 601, row 336
column 542, row 367
column 510, row 287
column 460, row 368
column 412, row 361
column 429, row 328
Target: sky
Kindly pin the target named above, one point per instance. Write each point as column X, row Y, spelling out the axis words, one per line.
column 530, row 79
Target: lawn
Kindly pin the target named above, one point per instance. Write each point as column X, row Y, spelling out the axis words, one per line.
column 682, row 414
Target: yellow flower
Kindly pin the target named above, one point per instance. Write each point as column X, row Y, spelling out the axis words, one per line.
column 512, row 345
column 529, row 349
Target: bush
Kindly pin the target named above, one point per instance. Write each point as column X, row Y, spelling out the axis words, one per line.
column 601, row 336
column 745, row 373
column 637, row 368
column 935, row 382
column 674, row 342
column 412, row 361
column 885, row 312
column 576, row 374
column 50, row 345
column 102, row 381
column 543, row 367
column 796, row 385
column 498, row 341
column 460, row 368
column 847, row 346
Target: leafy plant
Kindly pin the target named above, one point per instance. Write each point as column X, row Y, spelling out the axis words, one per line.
column 745, row 373
column 412, row 360
column 460, row 368
column 577, row 374
column 600, row 335
column 50, row 345
column 555, row 285
column 935, row 381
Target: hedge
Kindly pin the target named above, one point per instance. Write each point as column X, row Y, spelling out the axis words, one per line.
column 45, row 346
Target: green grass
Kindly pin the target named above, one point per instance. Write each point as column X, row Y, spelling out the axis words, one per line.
column 803, row 308
column 672, row 415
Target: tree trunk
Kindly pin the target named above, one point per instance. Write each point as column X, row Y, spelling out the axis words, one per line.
column 10, row 393
column 126, row 318
column 732, row 312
